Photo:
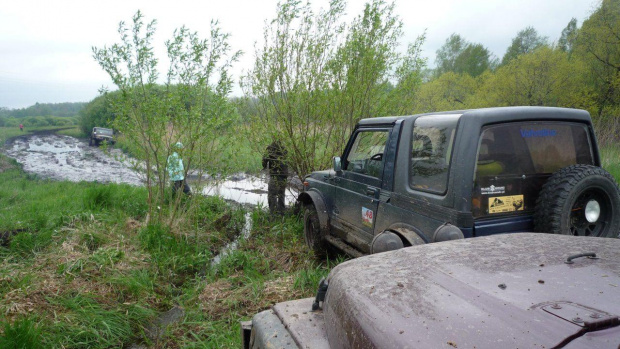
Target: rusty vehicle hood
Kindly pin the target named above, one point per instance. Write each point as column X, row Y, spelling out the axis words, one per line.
column 502, row 291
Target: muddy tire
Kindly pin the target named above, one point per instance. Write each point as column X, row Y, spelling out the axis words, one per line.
column 90, row 142
column 581, row 200
column 312, row 232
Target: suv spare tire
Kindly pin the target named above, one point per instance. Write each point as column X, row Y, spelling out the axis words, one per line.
column 581, row 200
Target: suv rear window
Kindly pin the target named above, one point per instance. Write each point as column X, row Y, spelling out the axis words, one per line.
column 515, row 159
column 431, row 149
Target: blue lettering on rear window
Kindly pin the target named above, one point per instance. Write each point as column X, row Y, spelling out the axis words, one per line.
column 538, row 133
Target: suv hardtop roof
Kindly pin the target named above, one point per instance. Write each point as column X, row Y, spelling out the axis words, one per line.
column 492, row 115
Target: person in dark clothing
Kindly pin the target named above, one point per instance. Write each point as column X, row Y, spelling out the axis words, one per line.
column 274, row 160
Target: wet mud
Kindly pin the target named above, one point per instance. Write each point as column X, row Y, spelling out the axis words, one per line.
column 67, row 158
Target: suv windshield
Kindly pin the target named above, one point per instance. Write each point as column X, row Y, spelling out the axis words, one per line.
column 104, row 131
column 431, row 149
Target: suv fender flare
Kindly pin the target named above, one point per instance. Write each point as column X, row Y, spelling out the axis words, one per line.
column 410, row 235
column 314, row 198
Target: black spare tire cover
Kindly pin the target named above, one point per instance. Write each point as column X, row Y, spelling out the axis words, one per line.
column 579, row 200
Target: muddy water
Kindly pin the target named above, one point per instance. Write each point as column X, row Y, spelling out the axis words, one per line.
column 67, row 158
column 245, row 189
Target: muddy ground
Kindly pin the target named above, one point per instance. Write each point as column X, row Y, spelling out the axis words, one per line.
column 67, row 158
column 62, row 157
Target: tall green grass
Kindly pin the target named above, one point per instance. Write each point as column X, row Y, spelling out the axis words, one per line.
column 22, row 333
column 610, row 160
column 73, row 132
column 36, row 208
column 111, row 273
column 89, row 323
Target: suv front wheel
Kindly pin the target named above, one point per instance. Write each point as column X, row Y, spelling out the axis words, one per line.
column 312, row 232
column 580, row 200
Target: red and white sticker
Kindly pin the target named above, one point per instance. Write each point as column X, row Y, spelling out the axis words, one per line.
column 367, row 216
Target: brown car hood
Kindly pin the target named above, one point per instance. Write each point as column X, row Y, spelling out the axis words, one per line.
column 502, row 291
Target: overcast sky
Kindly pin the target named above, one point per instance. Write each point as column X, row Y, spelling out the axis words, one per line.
column 45, row 46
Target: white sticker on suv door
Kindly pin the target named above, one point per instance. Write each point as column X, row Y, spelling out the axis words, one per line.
column 493, row 190
column 367, row 216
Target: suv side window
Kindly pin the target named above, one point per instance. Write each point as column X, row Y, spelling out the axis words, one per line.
column 431, row 150
column 366, row 154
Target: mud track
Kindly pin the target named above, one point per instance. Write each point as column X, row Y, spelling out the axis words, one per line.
column 59, row 157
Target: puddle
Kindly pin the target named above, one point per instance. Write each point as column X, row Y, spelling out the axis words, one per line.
column 67, row 158
column 245, row 189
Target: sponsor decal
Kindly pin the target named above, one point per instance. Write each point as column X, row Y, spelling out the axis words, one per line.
column 502, row 204
column 493, row 190
column 538, row 133
column 367, row 217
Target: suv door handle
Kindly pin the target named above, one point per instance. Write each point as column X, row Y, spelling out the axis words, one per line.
column 371, row 192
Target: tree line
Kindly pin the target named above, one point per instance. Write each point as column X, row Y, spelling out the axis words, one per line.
column 66, row 109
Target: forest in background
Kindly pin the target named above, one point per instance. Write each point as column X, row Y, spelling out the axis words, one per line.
column 42, row 114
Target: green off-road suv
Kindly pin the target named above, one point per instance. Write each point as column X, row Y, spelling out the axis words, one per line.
column 101, row 134
column 410, row 180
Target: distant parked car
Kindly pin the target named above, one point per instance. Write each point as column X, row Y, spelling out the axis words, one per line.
column 101, row 134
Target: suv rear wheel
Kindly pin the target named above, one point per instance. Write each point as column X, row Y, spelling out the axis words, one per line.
column 580, row 200
column 312, row 232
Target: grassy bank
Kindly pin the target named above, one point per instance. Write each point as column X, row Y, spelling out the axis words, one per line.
column 81, row 269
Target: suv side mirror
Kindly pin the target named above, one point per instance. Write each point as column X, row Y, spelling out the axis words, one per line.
column 337, row 164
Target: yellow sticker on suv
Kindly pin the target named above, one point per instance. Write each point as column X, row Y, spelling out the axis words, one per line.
column 503, row 204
